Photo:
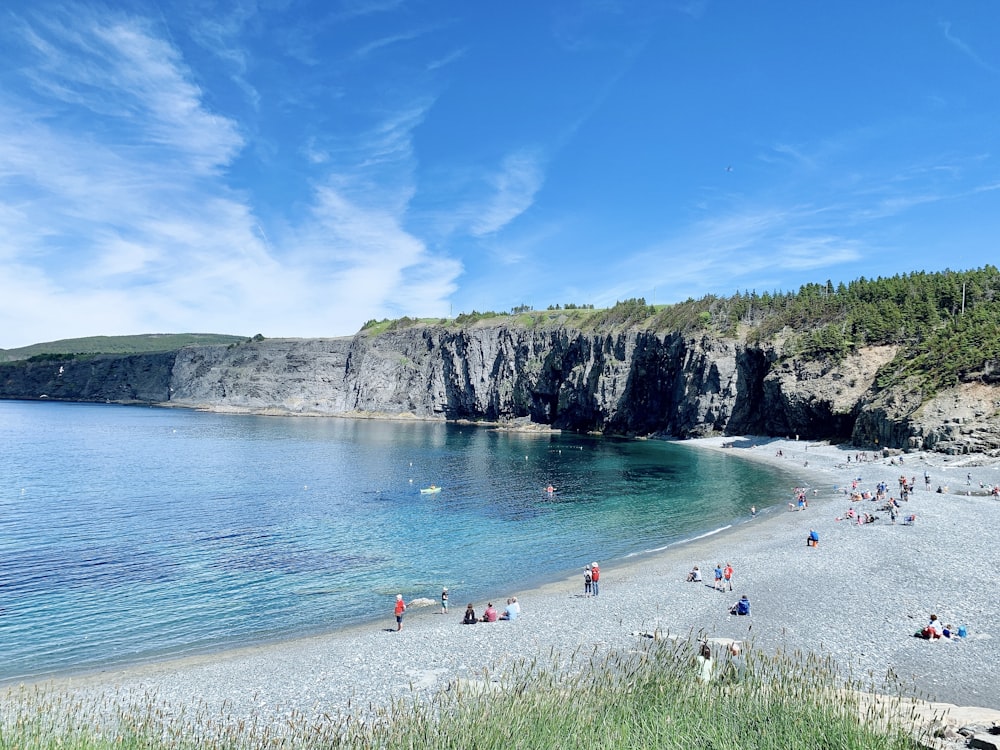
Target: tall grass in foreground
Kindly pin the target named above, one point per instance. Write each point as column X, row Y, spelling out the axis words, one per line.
column 647, row 698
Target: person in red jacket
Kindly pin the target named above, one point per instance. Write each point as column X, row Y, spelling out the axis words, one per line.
column 595, row 576
column 400, row 611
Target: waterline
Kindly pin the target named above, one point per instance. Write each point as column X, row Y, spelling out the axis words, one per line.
column 130, row 533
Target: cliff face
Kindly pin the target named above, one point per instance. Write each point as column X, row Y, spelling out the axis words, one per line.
column 632, row 382
column 135, row 378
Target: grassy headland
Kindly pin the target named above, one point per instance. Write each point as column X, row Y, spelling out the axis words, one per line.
column 946, row 325
column 148, row 342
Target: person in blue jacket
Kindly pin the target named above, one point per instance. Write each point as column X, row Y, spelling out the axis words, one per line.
column 742, row 607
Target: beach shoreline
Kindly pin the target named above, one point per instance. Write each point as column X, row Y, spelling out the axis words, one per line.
column 857, row 597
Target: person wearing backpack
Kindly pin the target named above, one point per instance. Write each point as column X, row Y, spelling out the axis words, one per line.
column 742, row 607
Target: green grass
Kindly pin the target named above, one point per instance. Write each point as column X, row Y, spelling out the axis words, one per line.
column 647, row 698
column 150, row 342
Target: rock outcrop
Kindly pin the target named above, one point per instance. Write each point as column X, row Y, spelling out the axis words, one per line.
column 631, row 382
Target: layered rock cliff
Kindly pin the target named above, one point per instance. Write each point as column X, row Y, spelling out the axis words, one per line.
column 628, row 382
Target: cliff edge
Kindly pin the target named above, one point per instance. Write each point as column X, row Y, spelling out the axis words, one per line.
column 631, row 382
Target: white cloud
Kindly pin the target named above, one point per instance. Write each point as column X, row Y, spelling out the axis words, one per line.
column 730, row 252
column 124, row 223
column 116, row 68
column 513, row 191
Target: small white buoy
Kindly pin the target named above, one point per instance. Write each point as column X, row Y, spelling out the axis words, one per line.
column 411, row 481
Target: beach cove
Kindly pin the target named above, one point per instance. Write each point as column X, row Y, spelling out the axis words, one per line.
column 858, row 596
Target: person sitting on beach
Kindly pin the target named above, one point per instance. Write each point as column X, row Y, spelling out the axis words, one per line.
column 932, row 631
column 742, row 607
column 490, row 614
column 470, row 616
column 694, row 575
column 512, row 611
column 813, row 539
column 947, row 632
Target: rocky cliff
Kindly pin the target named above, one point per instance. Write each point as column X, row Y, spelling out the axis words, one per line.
column 116, row 378
column 628, row 382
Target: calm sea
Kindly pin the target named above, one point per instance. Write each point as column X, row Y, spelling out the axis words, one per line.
column 132, row 533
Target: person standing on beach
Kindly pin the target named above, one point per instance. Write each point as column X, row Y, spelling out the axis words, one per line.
column 588, row 582
column 595, row 576
column 727, row 575
column 400, row 611
column 705, row 663
column 718, row 577
column 444, row 600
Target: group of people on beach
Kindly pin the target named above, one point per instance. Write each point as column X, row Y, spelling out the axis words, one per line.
column 934, row 630
column 591, row 580
column 732, row 669
column 801, row 499
column 490, row 614
column 722, row 579
column 591, row 587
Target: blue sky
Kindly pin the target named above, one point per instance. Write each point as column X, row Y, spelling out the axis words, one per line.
column 295, row 168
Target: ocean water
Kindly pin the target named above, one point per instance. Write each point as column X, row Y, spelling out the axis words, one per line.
column 131, row 533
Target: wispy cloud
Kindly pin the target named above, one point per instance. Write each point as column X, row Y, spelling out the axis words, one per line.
column 115, row 67
column 789, row 152
column 945, row 27
column 447, row 60
column 513, row 191
column 731, row 252
column 220, row 35
column 387, row 41
column 123, row 220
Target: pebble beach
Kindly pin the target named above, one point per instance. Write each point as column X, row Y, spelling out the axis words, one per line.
column 858, row 596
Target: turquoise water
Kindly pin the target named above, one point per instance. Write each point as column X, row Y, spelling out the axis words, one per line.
column 132, row 533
